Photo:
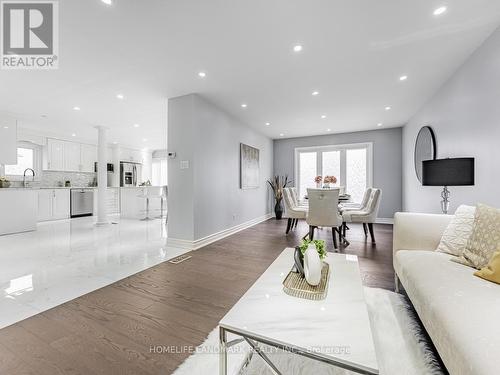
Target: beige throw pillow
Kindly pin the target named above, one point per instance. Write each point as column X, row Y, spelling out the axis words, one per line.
column 485, row 238
column 457, row 233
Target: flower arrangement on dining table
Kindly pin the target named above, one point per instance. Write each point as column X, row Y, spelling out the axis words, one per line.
column 327, row 181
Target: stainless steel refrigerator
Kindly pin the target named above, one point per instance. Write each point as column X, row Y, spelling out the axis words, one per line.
column 130, row 174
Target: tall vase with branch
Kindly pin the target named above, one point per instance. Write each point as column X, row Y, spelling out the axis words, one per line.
column 277, row 184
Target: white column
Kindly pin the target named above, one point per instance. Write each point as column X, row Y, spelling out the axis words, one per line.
column 102, row 179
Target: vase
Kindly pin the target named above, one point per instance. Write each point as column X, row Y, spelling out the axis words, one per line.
column 326, row 186
column 312, row 265
column 318, row 185
column 278, row 210
column 299, row 261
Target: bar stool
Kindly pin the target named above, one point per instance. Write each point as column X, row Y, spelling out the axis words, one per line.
column 163, row 199
column 145, row 195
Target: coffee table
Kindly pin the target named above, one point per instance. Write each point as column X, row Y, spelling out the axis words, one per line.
column 335, row 330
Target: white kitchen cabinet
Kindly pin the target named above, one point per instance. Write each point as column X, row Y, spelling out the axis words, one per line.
column 45, row 204
column 55, row 154
column 53, row 204
column 72, row 157
column 60, row 204
column 127, row 154
column 88, row 156
column 8, row 141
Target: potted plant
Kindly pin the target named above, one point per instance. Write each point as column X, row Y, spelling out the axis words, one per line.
column 278, row 183
column 309, row 258
column 329, row 180
column 4, row 182
column 318, row 180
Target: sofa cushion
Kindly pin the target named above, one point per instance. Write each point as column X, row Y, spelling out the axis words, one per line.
column 457, row 233
column 492, row 271
column 459, row 311
column 485, row 238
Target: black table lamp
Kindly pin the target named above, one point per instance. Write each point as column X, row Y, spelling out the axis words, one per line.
column 448, row 172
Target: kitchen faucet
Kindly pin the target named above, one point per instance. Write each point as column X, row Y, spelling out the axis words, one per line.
column 24, row 176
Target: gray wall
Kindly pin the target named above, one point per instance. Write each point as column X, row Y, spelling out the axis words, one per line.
column 465, row 115
column 386, row 160
column 206, row 198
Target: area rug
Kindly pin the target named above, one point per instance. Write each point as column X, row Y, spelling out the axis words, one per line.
column 400, row 343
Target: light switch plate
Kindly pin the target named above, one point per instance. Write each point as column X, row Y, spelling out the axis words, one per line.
column 184, row 164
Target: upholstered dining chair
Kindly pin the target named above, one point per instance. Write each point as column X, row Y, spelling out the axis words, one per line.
column 348, row 206
column 323, row 212
column 293, row 212
column 298, row 202
column 367, row 215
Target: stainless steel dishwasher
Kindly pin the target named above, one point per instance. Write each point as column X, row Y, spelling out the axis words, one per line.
column 82, row 202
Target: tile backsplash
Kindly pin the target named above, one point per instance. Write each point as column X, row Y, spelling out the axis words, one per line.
column 52, row 178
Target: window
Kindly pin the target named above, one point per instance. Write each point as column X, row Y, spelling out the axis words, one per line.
column 28, row 156
column 351, row 164
column 159, row 172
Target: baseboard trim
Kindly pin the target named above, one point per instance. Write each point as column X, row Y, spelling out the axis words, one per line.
column 197, row 244
column 384, row 220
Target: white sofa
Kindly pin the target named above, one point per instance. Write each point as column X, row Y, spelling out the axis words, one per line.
column 460, row 312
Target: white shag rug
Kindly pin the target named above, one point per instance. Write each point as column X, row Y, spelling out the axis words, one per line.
column 400, row 345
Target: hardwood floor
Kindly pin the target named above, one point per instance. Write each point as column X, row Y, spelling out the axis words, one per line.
column 114, row 330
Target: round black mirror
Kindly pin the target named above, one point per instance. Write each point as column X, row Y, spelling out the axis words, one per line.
column 425, row 149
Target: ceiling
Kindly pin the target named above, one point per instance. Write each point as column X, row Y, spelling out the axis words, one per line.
column 354, row 52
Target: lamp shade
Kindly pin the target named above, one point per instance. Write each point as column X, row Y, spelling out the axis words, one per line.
column 448, row 172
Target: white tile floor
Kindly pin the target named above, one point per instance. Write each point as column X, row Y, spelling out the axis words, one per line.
column 65, row 259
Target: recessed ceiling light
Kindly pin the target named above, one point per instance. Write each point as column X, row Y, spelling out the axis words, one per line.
column 388, row 108
column 323, row 116
column 328, row 130
column 136, row 125
column 120, row 96
column 282, row 135
column 243, row 105
column 297, row 48
column 76, row 108
column 5, row 127
column 379, row 124
column 268, row 123
column 439, row 11
column 73, row 135
column 403, row 78
column 314, row 93
column 107, row 2
column 202, row 74
column 115, row 143
column 144, row 139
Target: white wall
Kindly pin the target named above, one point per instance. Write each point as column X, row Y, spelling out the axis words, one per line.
column 465, row 115
column 206, row 198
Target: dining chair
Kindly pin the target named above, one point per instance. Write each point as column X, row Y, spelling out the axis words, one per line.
column 367, row 215
column 323, row 212
column 356, row 206
column 298, row 202
column 293, row 212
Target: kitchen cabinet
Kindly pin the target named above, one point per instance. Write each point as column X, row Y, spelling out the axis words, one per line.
column 53, row 204
column 69, row 156
column 127, row 154
column 8, row 141
column 55, row 154
column 112, row 200
column 88, row 156
column 72, row 157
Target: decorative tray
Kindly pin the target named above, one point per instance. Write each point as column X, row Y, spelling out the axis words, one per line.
column 295, row 285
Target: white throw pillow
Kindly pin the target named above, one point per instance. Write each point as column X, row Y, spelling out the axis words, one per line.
column 457, row 233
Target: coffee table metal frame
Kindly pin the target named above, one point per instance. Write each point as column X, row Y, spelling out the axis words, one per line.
column 254, row 341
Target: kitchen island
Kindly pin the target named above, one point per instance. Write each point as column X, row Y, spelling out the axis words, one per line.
column 133, row 201
column 18, row 210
